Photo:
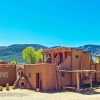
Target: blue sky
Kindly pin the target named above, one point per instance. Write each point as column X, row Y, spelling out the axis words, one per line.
column 50, row 22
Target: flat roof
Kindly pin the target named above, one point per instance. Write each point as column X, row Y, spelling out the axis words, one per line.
column 7, row 65
column 61, row 49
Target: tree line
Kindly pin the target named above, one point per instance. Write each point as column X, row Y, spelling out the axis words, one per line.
column 31, row 56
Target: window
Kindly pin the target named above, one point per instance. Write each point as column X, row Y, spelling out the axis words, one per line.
column 62, row 74
column 21, row 72
column 4, row 74
column 55, row 55
column 48, row 56
column 29, row 75
column 1, row 74
column 76, row 56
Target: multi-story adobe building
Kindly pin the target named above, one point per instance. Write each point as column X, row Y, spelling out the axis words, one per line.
column 61, row 68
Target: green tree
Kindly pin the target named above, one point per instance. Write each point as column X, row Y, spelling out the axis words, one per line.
column 13, row 62
column 39, row 55
column 98, row 60
column 29, row 55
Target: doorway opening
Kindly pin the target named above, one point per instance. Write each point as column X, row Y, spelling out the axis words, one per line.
column 37, row 80
column 61, row 57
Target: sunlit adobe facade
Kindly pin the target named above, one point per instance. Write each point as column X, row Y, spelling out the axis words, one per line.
column 61, row 68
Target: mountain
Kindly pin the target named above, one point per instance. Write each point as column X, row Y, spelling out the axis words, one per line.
column 55, row 47
column 94, row 49
column 14, row 52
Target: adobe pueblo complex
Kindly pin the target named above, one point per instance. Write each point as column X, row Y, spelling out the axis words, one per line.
column 61, row 68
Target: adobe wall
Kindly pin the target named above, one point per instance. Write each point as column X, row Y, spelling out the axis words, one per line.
column 50, row 78
column 67, row 61
column 98, row 74
column 93, row 67
column 7, row 74
column 76, row 64
column 66, row 79
column 86, row 61
column 80, row 63
column 46, row 72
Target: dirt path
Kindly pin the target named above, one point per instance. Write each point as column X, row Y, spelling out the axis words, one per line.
column 31, row 95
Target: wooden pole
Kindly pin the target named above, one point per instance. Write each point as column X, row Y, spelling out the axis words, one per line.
column 71, row 68
column 90, row 79
column 63, row 56
column 43, row 58
column 57, row 58
column 78, row 82
column 55, row 75
column 59, row 74
column 52, row 58
column 81, row 68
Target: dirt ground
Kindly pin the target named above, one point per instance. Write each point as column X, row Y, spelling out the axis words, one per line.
column 32, row 95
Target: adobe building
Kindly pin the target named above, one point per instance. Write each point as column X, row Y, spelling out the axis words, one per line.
column 73, row 67
column 7, row 74
column 37, row 76
column 61, row 68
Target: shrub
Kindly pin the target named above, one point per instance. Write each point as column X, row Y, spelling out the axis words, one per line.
column 1, row 88
column 7, row 87
column 14, row 87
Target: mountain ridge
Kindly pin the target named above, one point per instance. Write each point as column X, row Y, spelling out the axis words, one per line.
column 14, row 52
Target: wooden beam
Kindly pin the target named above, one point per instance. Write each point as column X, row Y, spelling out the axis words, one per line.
column 43, row 58
column 52, row 58
column 59, row 83
column 78, row 81
column 90, row 80
column 63, row 56
column 57, row 58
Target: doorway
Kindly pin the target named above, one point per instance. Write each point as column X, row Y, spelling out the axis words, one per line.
column 61, row 58
column 37, row 80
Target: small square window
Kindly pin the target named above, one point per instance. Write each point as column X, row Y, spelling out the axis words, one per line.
column 47, row 56
column 76, row 56
column 55, row 55
column 29, row 75
column 62, row 74
column 6, row 74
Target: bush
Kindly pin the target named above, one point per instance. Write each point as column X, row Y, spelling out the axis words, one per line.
column 1, row 88
column 7, row 87
column 14, row 87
